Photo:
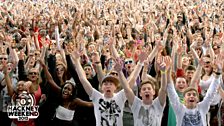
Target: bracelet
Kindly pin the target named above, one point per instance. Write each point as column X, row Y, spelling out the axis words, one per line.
column 141, row 64
column 163, row 72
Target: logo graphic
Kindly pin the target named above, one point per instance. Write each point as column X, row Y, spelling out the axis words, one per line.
column 23, row 107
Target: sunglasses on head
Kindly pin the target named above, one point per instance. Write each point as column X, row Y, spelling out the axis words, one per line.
column 128, row 62
column 32, row 73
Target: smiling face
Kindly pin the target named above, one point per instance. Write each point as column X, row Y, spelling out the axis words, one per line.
column 67, row 91
column 191, row 99
column 147, row 93
column 108, row 88
column 181, row 84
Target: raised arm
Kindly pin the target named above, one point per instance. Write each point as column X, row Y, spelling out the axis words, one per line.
column 21, row 69
column 165, row 66
column 80, row 102
column 82, row 76
column 213, row 86
column 8, row 80
column 98, row 66
column 172, row 94
column 134, row 75
column 49, row 78
column 128, row 91
column 196, row 78
column 145, row 71
column 221, row 92
column 113, row 49
column 153, row 53
column 179, row 57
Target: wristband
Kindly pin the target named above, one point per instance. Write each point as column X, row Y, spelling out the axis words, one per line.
column 141, row 64
column 163, row 71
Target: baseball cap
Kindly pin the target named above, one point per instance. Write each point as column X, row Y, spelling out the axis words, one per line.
column 111, row 78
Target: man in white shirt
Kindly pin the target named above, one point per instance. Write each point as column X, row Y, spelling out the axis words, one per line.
column 147, row 112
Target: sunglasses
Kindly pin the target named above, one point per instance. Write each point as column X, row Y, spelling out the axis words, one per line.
column 207, row 62
column 33, row 73
column 36, row 54
column 3, row 58
column 128, row 62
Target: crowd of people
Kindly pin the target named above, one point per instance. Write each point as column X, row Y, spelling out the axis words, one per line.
column 114, row 62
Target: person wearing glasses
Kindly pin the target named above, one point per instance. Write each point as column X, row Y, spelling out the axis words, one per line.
column 32, row 75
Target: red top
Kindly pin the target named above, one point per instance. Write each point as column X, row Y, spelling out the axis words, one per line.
column 37, row 94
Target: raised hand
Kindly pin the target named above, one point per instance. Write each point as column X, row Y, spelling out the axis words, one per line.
column 180, row 49
column 119, row 65
column 167, row 60
column 218, row 64
column 95, row 57
column 21, row 55
column 76, row 54
column 41, row 62
column 142, row 57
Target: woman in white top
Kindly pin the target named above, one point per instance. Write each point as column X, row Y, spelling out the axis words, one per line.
column 68, row 101
column 206, row 80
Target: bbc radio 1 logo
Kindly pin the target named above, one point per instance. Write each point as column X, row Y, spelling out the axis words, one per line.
column 23, row 108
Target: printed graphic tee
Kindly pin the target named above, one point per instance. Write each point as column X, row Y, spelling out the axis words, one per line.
column 108, row 112
column 147, row 115
column 196, row 116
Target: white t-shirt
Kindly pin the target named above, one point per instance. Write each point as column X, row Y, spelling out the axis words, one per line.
column 205, row 85
column 108, row 112
column 147, row 115
column 196, row 116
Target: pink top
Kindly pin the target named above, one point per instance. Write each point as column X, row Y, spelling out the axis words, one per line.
column 37, row 94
